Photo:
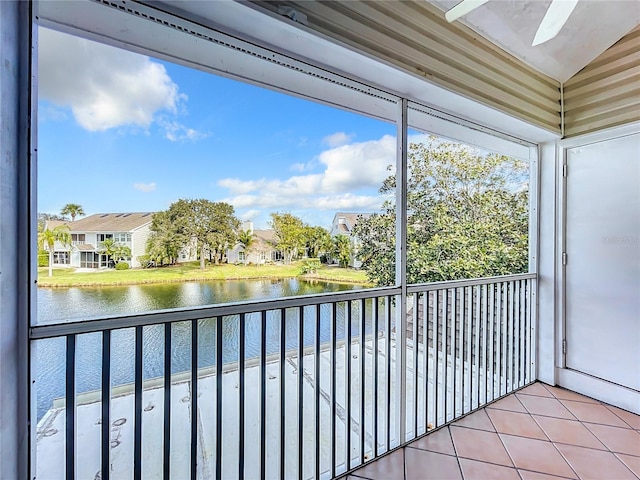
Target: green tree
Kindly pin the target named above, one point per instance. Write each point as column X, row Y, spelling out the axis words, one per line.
column 317, row 241
column 165, row 242
column 342, row 250
column 115, row 251
column 47, row 239
column 467, row 217
column 211, row 225
column 73, row 210
column 289, row 231
column 247, row 239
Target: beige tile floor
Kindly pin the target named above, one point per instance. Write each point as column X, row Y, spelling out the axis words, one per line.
column 538, row 433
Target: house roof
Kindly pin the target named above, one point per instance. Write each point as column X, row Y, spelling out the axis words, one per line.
column 265, row 235
column 85, row 247
column 51, row 224
column 111, row 222
column 351, row 218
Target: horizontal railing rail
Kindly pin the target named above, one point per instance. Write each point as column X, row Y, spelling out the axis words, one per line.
column 298, row 387
column 174, row 315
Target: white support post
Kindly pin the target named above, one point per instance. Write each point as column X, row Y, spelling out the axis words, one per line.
column 401, row 270
column 15, row 244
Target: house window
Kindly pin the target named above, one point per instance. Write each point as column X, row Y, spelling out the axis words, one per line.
column 61, row 258
column 89, row 260
column 78, row 238
column 241, row 256
column 105, row 236
column 122, row 237
column 263, row 256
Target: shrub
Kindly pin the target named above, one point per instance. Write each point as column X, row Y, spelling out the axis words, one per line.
column 310, row 265
column 122, row 266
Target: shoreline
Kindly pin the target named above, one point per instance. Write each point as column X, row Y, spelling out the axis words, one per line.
column 152, row 281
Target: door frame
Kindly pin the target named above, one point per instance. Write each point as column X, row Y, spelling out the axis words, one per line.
column 575, row 380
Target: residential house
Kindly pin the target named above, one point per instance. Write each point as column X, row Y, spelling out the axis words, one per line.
column 343, row 224
column 262, row 250
column 88, row 233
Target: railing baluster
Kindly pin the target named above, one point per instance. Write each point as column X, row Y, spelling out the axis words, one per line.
column 283, row 360
column 463, row 347
column 300, row 391
column 70, row 408
column 416, row 328
column 454, row 362
column 166, row 444
column 362, row 379
column 503, row 338
column 445, row 358
column 263, row 394
column 522, row 354
column 194, row 399
column 468, row 291
column 347, row 370
column 316, row 389
column 485, row 341
column 219, row 399
column 137, row 430
column 518, row 335
column 491, row 369
column 436, row 354
column 425, row 357
column 241, row 392
column 477, row 316
column 388, row 362
column 466, row 320
column 333, row 442
column 510, row 335
column 105, row 423
column 374, row 413
column 446, row 337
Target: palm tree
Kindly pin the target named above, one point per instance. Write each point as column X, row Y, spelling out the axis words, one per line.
column 114, row 251
column 72, row 209
column 246, row 238
column 342, row 249
column 47, row 239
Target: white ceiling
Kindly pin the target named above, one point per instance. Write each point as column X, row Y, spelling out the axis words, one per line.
column 593, row 27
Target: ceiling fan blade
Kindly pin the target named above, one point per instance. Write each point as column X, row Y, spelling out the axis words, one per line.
column 461, row 9
column 557, row 15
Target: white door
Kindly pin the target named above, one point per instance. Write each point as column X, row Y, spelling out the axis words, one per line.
column 602, row 273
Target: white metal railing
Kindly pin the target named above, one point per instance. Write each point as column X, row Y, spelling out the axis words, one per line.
column 335, row 362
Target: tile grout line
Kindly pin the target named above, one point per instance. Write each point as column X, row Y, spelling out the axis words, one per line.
column 456, row 452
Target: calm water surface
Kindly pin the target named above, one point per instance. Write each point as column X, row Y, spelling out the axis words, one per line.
column 56, row 305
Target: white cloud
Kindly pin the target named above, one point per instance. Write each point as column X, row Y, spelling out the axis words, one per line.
column 249, row 215
column 106, row 87
column 177, row 132
column 337, row 139
column 145, row 187
column 348, row 170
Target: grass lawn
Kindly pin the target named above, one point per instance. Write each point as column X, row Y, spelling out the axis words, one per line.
column 190, row 272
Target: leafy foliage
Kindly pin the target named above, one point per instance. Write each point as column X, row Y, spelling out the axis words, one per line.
column 317, row 241
column 467, row 217
column 208, row 226
column 290, row 234
column 342, row 250
column 115, row 251
column 122, row 266
column 310, row 265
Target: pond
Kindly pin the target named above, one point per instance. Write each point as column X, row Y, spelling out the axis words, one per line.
column 65, row 304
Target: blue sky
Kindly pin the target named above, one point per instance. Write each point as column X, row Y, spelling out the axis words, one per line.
column 119, row 131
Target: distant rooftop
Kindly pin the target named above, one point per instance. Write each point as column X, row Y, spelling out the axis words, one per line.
column 111, row 222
